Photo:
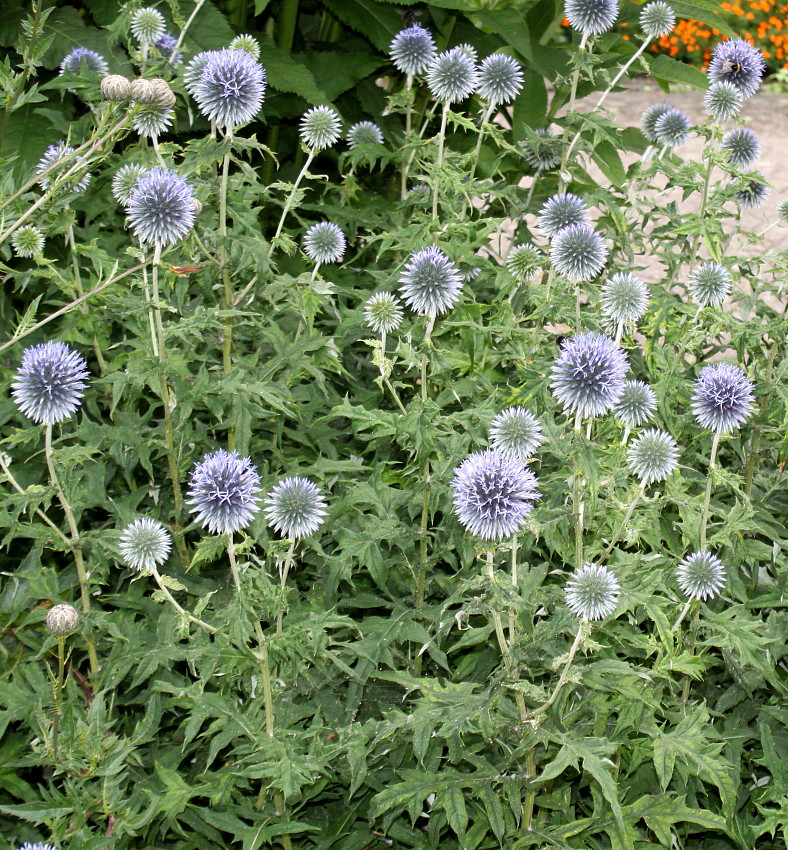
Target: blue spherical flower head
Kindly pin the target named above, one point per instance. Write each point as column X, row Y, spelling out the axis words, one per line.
column 516, row 432
column 383, row 313
column 431, row 283
column 742, row 147
column 592, row 592
column 739, row 63
column 578, row 253
column 710, row 284
column 144, row 544
column 28, row 846
column 752, row 193
column 73, row 62
column 49, row 385
column 722, row 101
column 591, row 17
column 649, row 118
column 624, row 299
column 672, row 128
column 657, row 19
column 193, row 71
column 324, row 242
column 452, row 76
column 231, row 88
column 364, row 133
column 701, row 575
column 523, row 261
column 125, row 180
column 147, row 25
column 412, row 50
column 636, row 405
column 500, row 78
column 723, row 398
column 561, row 211
column 493, row 494
column 295, row 508
column 320, row 127
column 542, row 153
column 53, row 155
column 166, row 46
column 653, row 456
column 247, row 43
column 588, row 376
column 223, row 492
column 160, row 209
column 151, row 119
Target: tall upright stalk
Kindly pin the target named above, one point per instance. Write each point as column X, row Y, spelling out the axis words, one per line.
column 563, row 182
column 577, row 501
column 704, row 513
column 290, row 199
column 439, row 164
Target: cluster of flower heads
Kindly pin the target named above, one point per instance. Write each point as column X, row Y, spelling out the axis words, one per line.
column 663, row 124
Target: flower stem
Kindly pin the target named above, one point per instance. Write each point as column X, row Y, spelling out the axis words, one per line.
column 572, row 96
column 704, row 513
column 284, row 569
column 581, row 633
column 182, row 611
column 485, row 120
column 290, row 199
column 680, row 619
column 76, row 546
column 624, row 522
column 4, row 459
column 61, row 666
column 439, row 162
column 403, row 191
column 577, row 504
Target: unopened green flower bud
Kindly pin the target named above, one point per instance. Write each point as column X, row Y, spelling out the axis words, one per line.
column 115, row 87
column 143, row 91
column 62, row 620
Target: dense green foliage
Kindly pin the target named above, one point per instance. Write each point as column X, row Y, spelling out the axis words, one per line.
column 414, row 685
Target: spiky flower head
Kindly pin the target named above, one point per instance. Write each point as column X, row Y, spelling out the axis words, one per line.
column 28, row 846
column 701, row 575
column 160, row 209
column 493, row 494
column 61, row 620
column 722, row 100
column 151, row 119
column 523, row 261
column 166, row 46
column 193, row 71
column 248, row 44
column 73, row 62
column 542, row 153
column 561, row 211
column 592, row 592
column 636, row 404
column 672, row 128
column 324, row 242
column 125, row 180
column 752, row 193
column 710, row 284
column 500, row 78
column 742, row 147
column 653, row 456
column 231, row 88
column 412, row 49
column 591, row 17
column 624, row 299
column 470, row 51
column 588, row 375
column 578, row 253
column 78, row 182
column 223, row 492
column 320, row 127
column 739, row 63
column 295, row 508
column 649, row 118
column 516, row 432
column 148, row 25
column 144, row 544
column 657, row 19
column 28, row 241
column 782, row 211
column 452, row 76
column 431, row 283
column 364, row 133
column 383, row 313
column 49, row 385
column 723, row 398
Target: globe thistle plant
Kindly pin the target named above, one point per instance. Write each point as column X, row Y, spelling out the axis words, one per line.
column 231, row 88
column 383, row 313
column 649, row 118
column 636, row 405
column 144, row 544
column 542, row 153
column 592, row 592
column 657, row 19
column 295, row 508
column 710, row 284
column 320, row 128
column 431, row 283
column 452, row 76
column 412, row 50
column 701, row 575
column 578, row 253
column 73, row 62
column 723, row 398
column 739, row 63
column 147, row 25
column 27, row 241
column 49, row 385
column 591, row 17
column 500, row 79
column 516, row 432
column 672, row 128
column 523, row 261
column 125, row 180
column 166, row 46
column 324, row 242
column 742, row 147
column 624, row 299
column 248, row 44
column 160, row 210
column 653, row 456
column 364, row 133
column 588, row 375
column 493, row 494
column 561, row 211
column 53, row 155
column 722, row 101
column 151, row 119
column 223, row 492
column 752, row 193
